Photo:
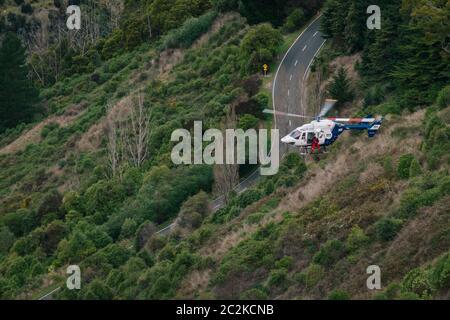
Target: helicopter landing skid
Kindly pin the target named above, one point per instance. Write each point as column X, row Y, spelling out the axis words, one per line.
column 308, row 150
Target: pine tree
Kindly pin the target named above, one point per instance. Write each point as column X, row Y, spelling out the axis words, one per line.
column 18, row 96
column 380, row 55
column 333, row 20
column 340, row 87
column 355, row 26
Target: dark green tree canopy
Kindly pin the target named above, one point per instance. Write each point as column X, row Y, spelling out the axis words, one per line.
column 18, row 97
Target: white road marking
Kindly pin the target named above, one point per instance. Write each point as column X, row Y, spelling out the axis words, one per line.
column 290, row 78
column 304, row 48
column 305, row 75
column 296, row 62
column 315, row 33
column 281, row 63
column 289, row 92
column 290, row 123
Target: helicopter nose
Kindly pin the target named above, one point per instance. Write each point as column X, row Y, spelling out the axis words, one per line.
column 286, row 139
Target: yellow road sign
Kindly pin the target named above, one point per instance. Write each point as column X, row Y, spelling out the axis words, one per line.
column 266, row 67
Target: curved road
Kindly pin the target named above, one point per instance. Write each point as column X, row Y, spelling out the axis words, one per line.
column 288, row 87
column 287, row 91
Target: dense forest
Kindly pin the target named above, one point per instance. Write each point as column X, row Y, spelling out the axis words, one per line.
column 81, row 184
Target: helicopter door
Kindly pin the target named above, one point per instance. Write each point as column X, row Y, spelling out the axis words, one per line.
column 302, row 140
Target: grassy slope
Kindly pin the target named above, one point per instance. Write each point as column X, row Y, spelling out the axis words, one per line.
column 269, row 252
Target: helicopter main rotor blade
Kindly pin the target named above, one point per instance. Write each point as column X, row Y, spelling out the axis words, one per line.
column 326, row 107
column 279, row 113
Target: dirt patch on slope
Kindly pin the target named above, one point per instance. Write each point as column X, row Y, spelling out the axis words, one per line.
column 348, row 63
column 91, row 140
column 34, row 135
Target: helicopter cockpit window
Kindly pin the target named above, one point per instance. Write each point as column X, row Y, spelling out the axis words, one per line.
column 295, row 134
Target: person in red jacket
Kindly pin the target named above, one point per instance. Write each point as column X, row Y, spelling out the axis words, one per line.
column 315, row 144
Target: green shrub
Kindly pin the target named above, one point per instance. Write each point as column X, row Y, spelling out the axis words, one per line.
column 294, row 20
column 193, row 211
column 254, row 294
column 254, row 218
column 424, row 192
column 404, row 166
column 269, row 188
column 387, row 228
column 440, row 274
column 330, row 253
column 128, row 228
column 97, row 290
column 248, row 197
column 443, row 99
column 388, row 166
column 103, row 196
column 415, row 169
column 262, row 100
column 48, row 128
column 259, row 46
column 7, row 239
column 293, row 160
column 277, row 278
column 312, row 275
column 192, row 28
column 338, row 295
column 20, row 222
column 356, row 239
column 417, row 282
column 285, row 263
column 248, row 121
column 374, row 96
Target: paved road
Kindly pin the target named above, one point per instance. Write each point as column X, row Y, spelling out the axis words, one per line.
column 288, row 88
column 287, row 91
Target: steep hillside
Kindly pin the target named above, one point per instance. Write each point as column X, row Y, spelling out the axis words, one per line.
column 88, row 178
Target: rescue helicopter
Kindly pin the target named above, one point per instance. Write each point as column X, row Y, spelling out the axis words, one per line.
column 322, row 132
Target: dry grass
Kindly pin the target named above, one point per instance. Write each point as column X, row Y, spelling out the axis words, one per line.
column 193, row 284
column 348, row 63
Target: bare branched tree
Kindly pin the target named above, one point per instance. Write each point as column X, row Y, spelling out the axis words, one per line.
column 226, row 176
column 128, row 133
column 138, row 133
column 116, row 8
column 113, row 146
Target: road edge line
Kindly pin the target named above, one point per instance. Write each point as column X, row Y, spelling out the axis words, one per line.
column 281, row 63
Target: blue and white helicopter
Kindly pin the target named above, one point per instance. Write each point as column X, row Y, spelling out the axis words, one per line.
column 326, row 130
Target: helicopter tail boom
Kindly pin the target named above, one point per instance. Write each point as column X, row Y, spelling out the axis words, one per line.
column 372, row 125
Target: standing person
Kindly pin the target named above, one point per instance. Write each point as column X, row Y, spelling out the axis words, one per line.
column 315, row 144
